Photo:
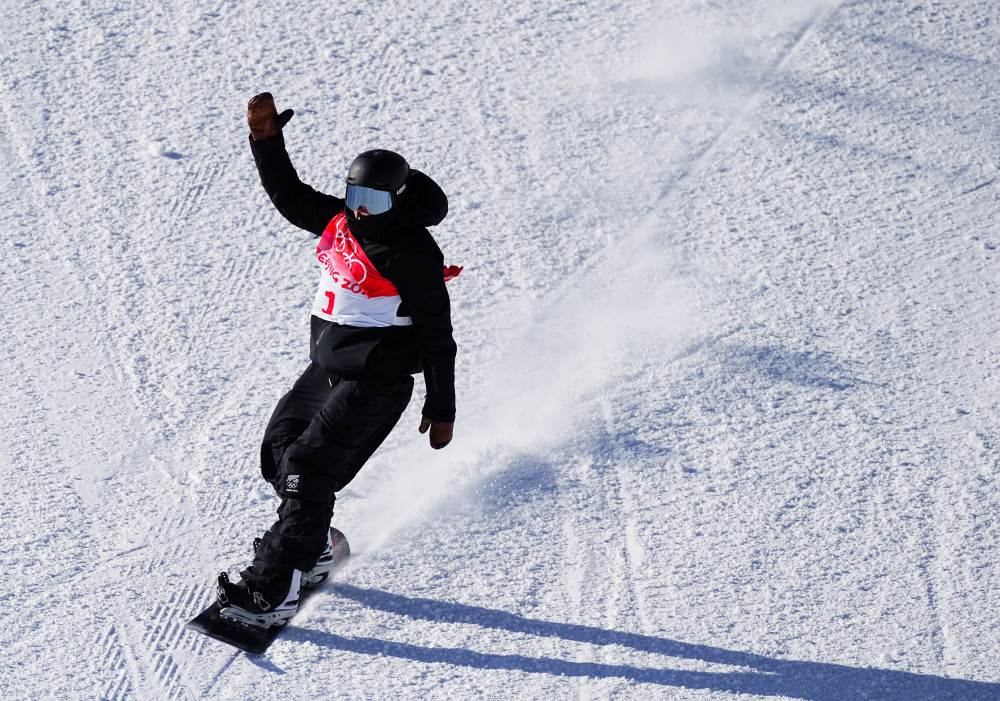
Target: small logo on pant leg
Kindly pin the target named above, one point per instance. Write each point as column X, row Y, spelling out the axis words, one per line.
column 292, row 483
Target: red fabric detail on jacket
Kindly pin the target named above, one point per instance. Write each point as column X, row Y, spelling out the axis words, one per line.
column 345, row 260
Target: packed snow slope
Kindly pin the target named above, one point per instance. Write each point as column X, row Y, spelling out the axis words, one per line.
column 728, row 334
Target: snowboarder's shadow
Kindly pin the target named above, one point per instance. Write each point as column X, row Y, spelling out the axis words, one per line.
column 805, row 368
column 765, row 676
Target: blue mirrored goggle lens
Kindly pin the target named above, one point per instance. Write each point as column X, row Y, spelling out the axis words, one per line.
column 374, row 201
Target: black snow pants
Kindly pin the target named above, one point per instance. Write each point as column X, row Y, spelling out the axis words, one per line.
column 319, row 436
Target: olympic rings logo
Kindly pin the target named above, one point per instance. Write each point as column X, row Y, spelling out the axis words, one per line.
column 347, row 249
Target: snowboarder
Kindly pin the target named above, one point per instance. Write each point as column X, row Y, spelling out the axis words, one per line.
column 381, row 314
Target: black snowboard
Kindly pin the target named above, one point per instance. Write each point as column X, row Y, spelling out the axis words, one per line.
column 252, row 639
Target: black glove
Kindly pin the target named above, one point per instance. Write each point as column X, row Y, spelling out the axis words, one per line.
column 263, row 117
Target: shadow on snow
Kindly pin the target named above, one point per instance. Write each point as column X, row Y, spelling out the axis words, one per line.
column 766, row 676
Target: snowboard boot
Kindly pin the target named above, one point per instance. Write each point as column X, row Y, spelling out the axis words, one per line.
column 324, row 565
column 240, row 603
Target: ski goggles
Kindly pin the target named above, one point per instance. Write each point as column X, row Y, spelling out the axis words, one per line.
column 374, row 201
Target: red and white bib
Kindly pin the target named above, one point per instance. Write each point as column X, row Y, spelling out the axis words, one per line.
column 351, row 291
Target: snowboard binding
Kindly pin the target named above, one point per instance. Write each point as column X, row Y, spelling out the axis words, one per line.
column 237, row 602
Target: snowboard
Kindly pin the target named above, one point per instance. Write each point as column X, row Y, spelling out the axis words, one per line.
column 255, row 640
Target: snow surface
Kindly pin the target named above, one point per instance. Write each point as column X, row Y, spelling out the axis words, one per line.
column 728, row 335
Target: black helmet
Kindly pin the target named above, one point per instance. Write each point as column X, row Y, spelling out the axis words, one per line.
column 379, row 169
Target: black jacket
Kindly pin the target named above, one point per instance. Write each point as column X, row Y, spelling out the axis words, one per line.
column 401, row 249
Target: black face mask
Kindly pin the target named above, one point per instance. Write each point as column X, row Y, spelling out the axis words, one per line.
column 382, row 228
column 379, row 228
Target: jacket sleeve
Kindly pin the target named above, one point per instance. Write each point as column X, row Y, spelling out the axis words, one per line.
column 297, row 202
column 420, row 281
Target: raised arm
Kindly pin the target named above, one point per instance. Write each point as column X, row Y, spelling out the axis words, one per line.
column 297, row 202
